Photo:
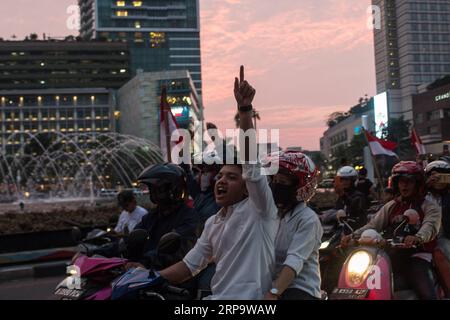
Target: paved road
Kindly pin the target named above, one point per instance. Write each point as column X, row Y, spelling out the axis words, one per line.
column 29, row 289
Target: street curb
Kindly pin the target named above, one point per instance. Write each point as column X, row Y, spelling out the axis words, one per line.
column 40, row 270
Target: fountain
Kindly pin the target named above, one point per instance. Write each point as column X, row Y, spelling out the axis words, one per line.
column 56, row 167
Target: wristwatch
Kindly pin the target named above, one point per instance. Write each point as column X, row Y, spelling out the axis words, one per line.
column 275, row 292
column 246, row 108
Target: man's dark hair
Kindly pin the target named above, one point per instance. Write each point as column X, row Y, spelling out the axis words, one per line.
column 125, row 197
column 363, row 172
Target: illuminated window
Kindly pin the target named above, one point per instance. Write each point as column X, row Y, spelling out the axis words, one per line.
column 138, row 37
column 137, row 24
column 123, row 70
column 120, row 3
column 137, row 3
column 122, row 13
column 157, row 39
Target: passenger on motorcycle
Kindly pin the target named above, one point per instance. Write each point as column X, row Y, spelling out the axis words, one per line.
column 414, row 262
column 240, row 237
column 167, row 187
column 439, row 193
column 201, row 188
column 364, row 185
column 132, row 213
column 297, row 274
column 351, row 202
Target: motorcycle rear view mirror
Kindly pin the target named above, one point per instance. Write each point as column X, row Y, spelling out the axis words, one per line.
column 169, row 243
column 76, row 234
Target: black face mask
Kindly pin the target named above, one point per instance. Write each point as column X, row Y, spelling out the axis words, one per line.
column 283, row 195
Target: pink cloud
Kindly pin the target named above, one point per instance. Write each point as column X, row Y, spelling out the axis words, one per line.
column 299, row 44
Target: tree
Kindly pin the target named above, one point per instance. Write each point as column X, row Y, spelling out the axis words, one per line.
column 398, row 131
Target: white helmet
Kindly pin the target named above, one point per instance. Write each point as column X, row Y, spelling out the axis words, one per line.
column 370, row 235
column 347, row 172
column 438, row 165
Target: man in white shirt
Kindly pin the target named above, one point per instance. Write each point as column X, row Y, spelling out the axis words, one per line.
column 132, row 213
column 239, row 239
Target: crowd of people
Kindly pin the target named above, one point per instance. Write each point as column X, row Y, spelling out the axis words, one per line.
column 250, row 236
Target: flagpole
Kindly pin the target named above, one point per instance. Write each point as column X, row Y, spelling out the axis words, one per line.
column 375, row 164
column 166, row 123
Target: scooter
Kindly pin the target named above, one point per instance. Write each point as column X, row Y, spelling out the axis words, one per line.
column 90, row 278
column 367, row 272
column 332, row 256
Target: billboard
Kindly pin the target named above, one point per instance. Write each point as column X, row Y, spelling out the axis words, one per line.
column 381, row 113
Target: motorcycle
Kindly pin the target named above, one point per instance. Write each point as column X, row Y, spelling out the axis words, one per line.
column 331, row 255
column 90, row 277
column 99, row 242
column 367, row 272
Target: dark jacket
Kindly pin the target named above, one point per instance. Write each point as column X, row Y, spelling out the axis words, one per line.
column 184, row 221
column 355, row 205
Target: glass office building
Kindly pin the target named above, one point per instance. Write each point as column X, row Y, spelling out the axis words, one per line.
column 162, row 35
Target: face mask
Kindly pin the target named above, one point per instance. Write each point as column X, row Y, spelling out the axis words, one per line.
column 282, row 194
column 205, row 181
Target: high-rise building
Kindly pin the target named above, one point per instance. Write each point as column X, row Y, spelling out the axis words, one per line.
column 63, row 64
column 162, row 34
column 57, row 88
column 139, row 103
column 412, row 47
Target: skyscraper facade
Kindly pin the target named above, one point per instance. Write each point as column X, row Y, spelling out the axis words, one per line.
column 162, row 35
column 412, row 47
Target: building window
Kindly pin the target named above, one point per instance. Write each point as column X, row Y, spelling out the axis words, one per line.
column 157, row 39
column 137, row 24
column 120, row 3
column 433, row 130
column 137, row 3
column 434, row 115
column 122, row 13
column 138, row 37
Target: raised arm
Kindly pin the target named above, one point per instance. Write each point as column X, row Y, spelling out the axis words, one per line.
column 257, row 184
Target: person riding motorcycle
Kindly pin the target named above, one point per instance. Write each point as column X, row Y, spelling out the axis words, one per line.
column 414, row 261
column 439, row 193
column 351, row 202
column 168, row 190
column 201, row 188
column 297, row 274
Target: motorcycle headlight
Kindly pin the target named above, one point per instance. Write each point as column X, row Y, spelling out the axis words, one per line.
column 358, row 268
column 324, row 245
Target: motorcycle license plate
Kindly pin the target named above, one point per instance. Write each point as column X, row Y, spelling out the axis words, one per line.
column 349, row 294
column 69, row 293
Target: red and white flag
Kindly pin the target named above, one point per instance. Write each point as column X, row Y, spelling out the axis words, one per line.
column 379, row 146
column 417, row 142
column 168, row 124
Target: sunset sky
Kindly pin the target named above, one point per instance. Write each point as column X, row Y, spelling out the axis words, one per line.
column 306, row 58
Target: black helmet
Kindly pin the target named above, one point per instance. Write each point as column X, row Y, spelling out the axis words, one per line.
column 166, row 183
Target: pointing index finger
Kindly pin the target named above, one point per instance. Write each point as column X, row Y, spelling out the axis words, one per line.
column 241, row 74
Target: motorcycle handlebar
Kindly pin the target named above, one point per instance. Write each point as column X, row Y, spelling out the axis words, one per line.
column 177, row 291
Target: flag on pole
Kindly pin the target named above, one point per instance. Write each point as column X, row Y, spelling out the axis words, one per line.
column 417, row 142
column 381, row 147
column 168, row 125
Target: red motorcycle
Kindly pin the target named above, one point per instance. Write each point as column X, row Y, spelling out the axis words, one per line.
column 367, row 272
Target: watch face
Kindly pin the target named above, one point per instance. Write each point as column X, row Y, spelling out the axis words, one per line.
column 274, row 291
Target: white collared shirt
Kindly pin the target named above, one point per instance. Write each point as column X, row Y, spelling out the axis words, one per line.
column 297, row 246
column 240, row 240
column 130, row 220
